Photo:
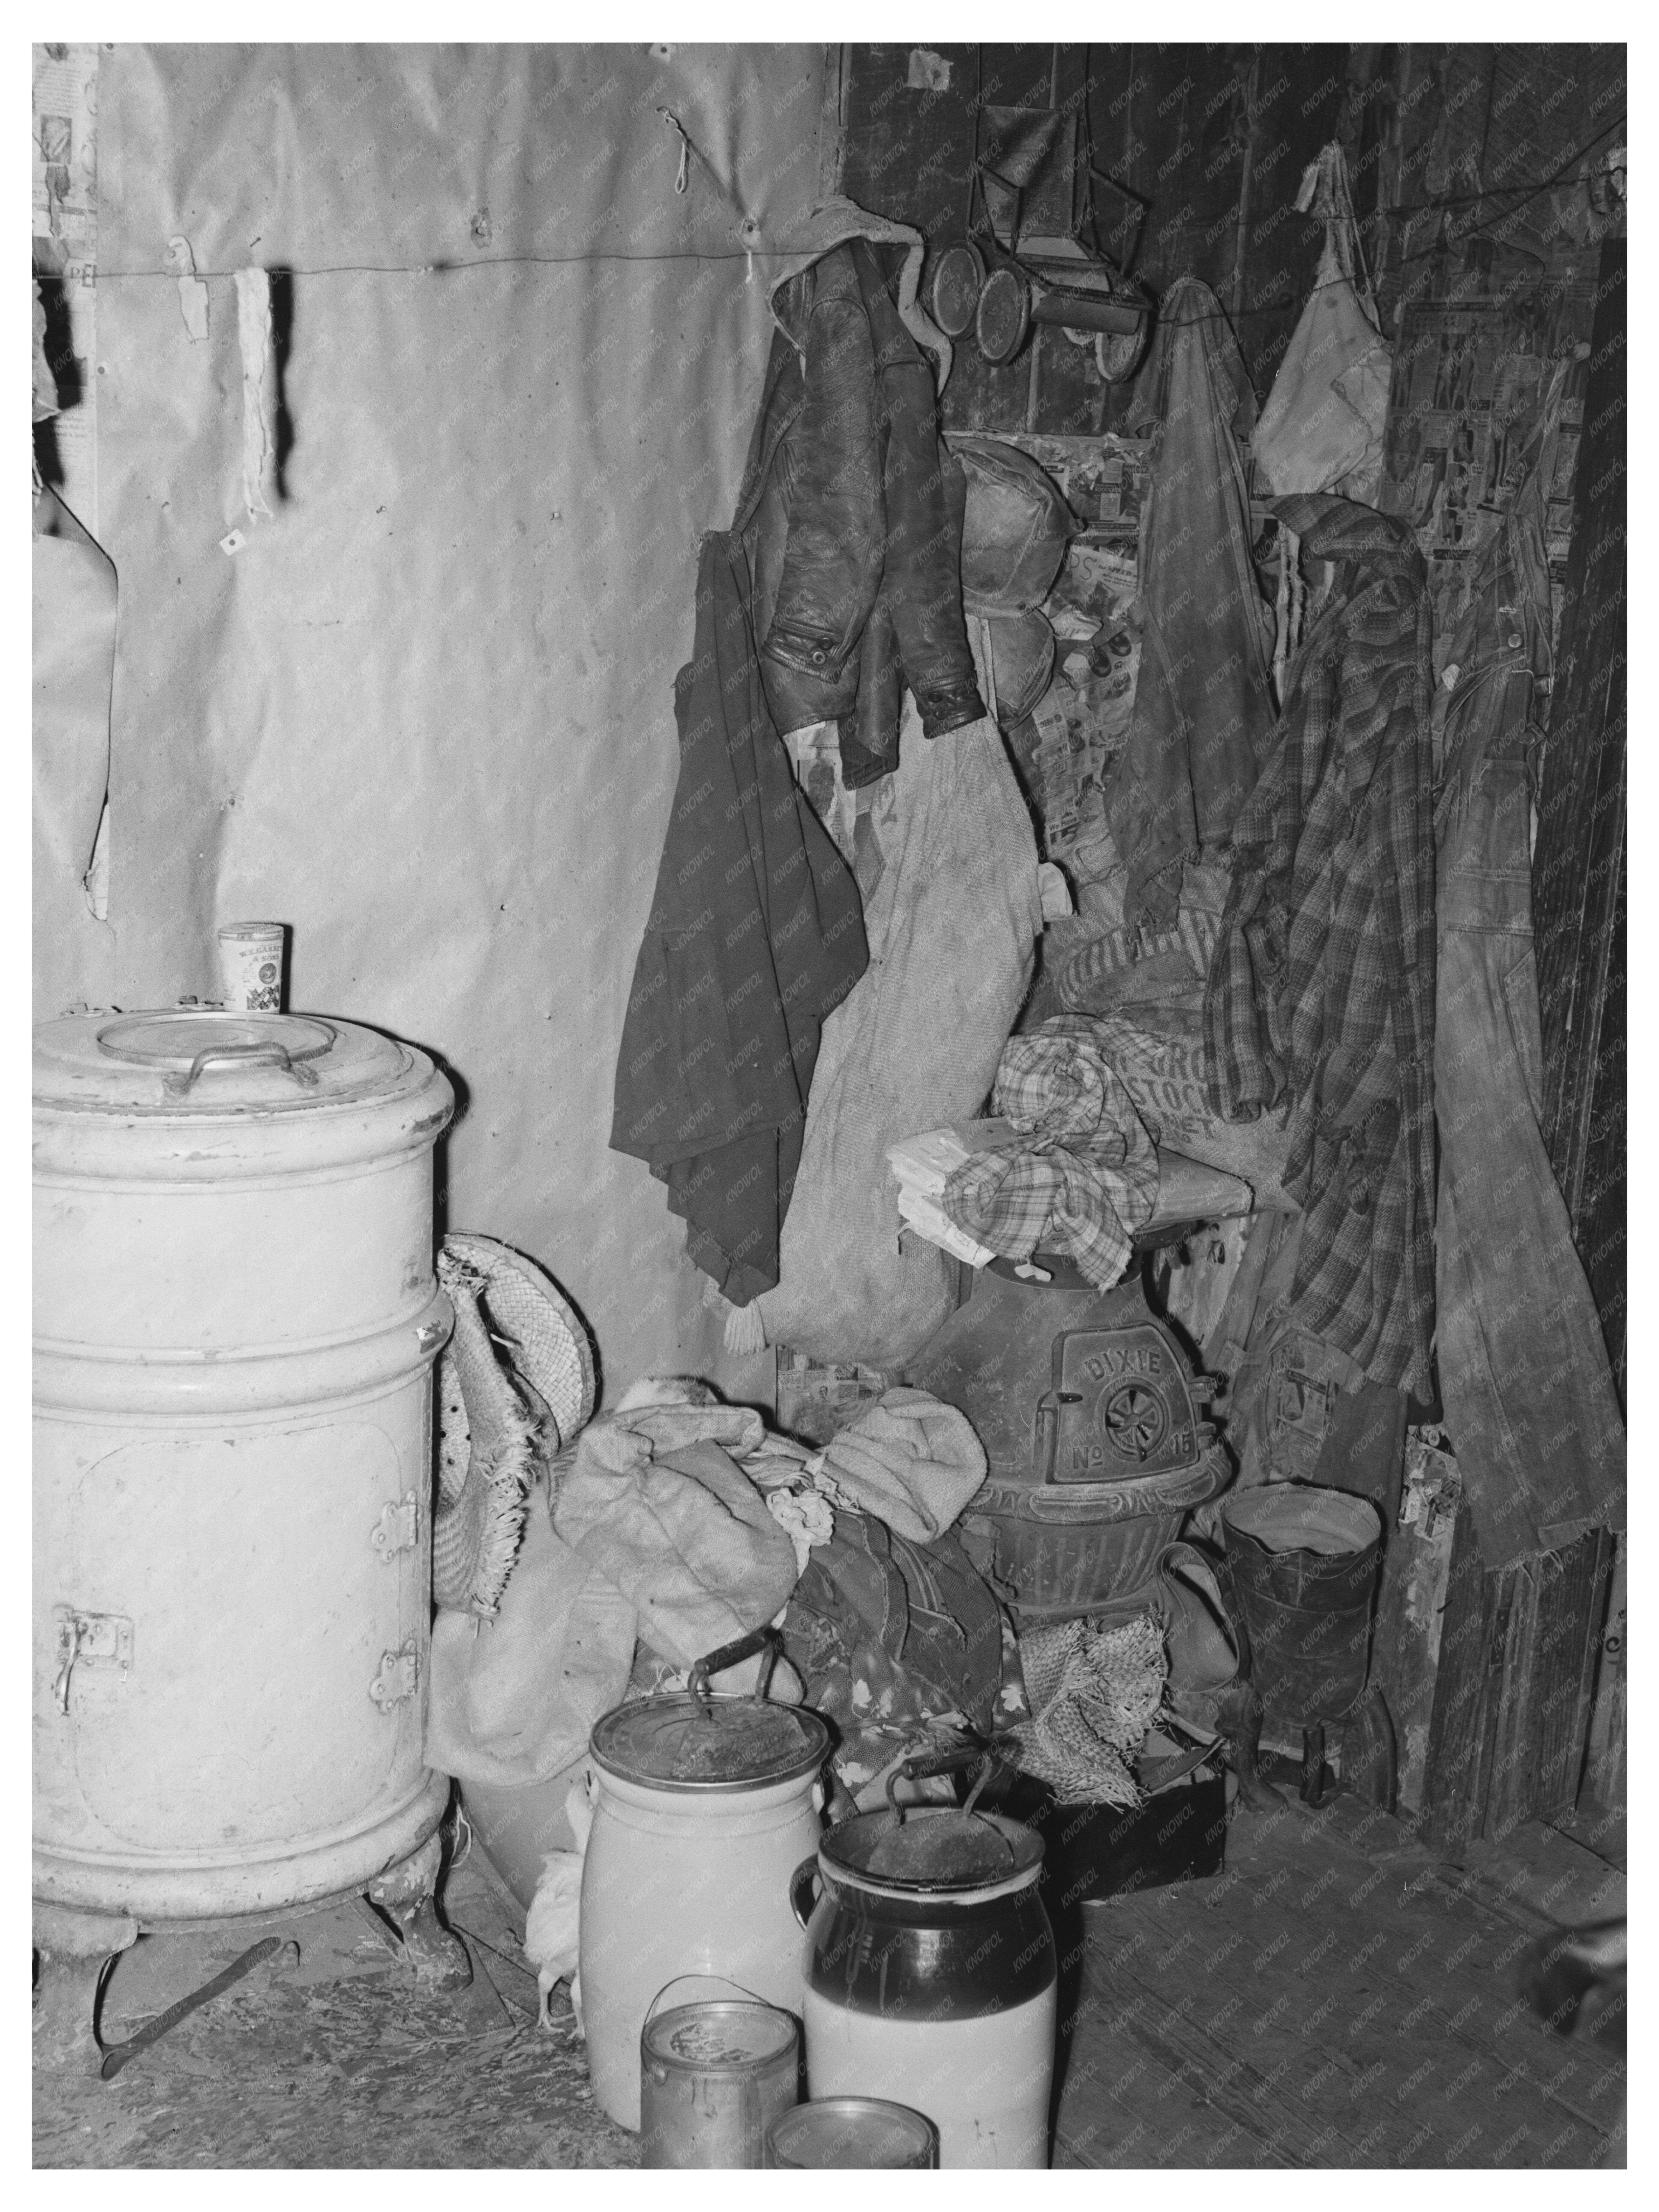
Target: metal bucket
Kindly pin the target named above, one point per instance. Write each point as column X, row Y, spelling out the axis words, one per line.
column 1304, row 1564
column 866, row 2132
column 713, row 2078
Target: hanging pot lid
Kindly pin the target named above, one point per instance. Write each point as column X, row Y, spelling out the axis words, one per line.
column 697, row 1740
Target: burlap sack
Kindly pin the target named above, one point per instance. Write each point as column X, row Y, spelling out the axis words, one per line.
column 952, row 913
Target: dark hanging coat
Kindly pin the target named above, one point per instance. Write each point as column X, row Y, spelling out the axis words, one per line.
column 852, row 511
column 1204, row 709
column 755, row 934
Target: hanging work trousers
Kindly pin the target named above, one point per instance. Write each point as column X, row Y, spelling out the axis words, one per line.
column 1524, row 1374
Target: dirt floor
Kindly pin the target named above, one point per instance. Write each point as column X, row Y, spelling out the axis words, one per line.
column 1337, row 1996
column 338, row 2061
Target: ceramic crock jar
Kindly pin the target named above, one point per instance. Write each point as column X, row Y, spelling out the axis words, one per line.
column 705, row 1806
column 931, row 1975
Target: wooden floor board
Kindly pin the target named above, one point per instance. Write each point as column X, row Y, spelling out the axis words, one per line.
column 1337, row 1997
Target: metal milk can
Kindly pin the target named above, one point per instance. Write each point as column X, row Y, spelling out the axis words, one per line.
column 235, row 1321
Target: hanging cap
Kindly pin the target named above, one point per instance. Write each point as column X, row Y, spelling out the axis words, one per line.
column 684, row 1742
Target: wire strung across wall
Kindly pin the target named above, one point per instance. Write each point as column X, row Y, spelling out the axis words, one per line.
column 1526, row 193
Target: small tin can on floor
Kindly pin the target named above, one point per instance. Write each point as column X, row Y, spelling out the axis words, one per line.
column 852, row 2131
column 711, row 2078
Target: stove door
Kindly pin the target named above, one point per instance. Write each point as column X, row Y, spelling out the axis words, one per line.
column 1120, row 1407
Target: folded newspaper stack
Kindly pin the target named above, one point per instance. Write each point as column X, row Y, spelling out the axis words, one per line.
column 923, row 1165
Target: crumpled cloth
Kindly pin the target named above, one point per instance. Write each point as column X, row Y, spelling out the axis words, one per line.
column 1094, row 1692
column 890, row 1636
column 807, row 1518
column 654, row 1501
column 511, row 1701
column 907, row 1459
column 634, row 1547
column 1084, row 1174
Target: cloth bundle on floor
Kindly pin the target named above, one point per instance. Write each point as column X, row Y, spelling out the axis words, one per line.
column 1081, row 1174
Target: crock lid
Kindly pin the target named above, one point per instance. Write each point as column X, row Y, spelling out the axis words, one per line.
column 199, row 1062
column 852, row 2131
column 723, row 2032
column 682, row 1742
column 935, row 1848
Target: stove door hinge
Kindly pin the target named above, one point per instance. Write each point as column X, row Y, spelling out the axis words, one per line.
column 89, row 1639
column 398, row 1677
column 399, row 1528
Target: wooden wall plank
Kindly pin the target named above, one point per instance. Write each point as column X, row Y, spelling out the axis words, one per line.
column 1578, row 860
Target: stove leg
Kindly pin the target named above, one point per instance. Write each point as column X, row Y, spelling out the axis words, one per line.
column 406, row 1894
column 74, row 1949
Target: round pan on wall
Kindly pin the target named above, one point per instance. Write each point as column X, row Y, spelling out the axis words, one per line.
column 1003, row 317
column 958, row 273
column 1117, row 353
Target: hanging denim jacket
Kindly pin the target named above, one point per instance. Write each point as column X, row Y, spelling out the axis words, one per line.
column 1524, row 1374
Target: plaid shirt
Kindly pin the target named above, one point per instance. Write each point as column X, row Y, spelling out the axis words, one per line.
column 1083, row 1176
column 1322, row 981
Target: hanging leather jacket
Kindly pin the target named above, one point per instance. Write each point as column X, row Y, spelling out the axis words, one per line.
column 851, row 511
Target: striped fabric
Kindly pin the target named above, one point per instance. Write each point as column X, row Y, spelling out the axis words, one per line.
column 1081, row 1175
column 1323, row 983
